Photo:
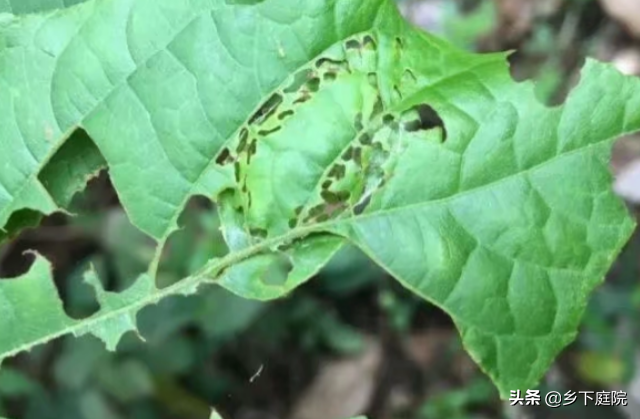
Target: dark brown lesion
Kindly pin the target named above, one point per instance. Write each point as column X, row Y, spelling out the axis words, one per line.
column 242, row 143
column 266, row 132
column 285, row 114
column 265, row 111
column 329, row 76
column 338, row 171
column 353, row 44
column 365, row 139
column 258, row 232
column 325, row 211
column 365, row 43
column 224, row 157
column 348, row 154
column 369, row 43
column 357, row 123
column 371, row 158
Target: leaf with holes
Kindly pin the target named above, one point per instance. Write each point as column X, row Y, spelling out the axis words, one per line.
column 310, row 127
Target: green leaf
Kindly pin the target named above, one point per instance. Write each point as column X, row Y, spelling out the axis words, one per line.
column 20, row 7
column 69, row 170
column 13, row 383
column 215, row 415
column 313, row 126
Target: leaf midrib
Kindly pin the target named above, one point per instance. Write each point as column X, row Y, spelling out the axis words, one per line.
column 206, row 275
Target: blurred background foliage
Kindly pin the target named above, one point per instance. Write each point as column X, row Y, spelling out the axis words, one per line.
column 351, row 341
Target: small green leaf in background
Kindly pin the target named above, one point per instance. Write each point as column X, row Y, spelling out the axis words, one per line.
column 600, row 368
column 455, row 404
column 463, row 30
column 96, row 406
column 14, row 383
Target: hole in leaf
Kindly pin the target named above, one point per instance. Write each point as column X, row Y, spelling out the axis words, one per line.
column 338, row 171
column 236, row 171
column 264, row 133
column 15, row 258
column 369, row 43
column 323, row 217
column 126, row 252
column 18, row 222
column 224, row 157
column 67, row 248
column 353, row 44
column 378, row 107
column 357, row 123
column 335, row 197
column 253, row 147
column 299, row 80
column 198, row 240
column 304, row 96
column 267, row 109
column 325, row 211
column 365, row 139
column 315, row 211
column 258, row 232
column 424, row 117
column 285, row 114
column 276, row 273
column 73, row 244
column 348, row 154
column 322, row 62
column 361, row 206
column 330, row 76
column 388, row 119
column 357, row 155
column 242, row 144
column 63, row 177
column 314, row 84
column 251, row 151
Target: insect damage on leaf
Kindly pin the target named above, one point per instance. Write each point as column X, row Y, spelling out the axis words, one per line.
column 342, row 124
column 325, row 131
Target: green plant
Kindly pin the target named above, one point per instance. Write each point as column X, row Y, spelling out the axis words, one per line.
column 311, row 127
column 454, row 404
